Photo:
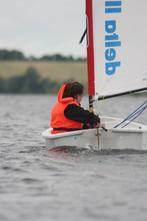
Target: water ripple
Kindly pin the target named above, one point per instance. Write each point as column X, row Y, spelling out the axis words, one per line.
column 66, row 183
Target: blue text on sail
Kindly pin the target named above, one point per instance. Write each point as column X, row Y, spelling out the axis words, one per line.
column 112, row 41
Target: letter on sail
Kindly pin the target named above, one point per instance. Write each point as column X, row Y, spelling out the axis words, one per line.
column 117, row 61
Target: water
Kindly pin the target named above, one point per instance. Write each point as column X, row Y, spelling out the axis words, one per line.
column 41, row 185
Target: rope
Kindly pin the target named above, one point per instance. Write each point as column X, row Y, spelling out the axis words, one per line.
column 133, row 115
column 139, row 113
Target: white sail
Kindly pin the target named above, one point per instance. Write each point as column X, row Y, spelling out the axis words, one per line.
column 119, row 45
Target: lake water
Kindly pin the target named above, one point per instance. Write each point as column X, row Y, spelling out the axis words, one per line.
column 41, row 185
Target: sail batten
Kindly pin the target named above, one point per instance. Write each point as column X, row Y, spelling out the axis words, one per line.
column 117, row 62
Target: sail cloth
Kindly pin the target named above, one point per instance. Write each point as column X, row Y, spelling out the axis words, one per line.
column 117, row 46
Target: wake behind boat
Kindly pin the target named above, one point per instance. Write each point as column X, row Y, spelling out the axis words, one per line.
column 117, row 65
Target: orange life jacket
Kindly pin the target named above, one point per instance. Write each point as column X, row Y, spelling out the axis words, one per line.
column 58, row 120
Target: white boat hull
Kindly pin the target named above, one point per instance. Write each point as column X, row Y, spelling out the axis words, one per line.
column 133, row 136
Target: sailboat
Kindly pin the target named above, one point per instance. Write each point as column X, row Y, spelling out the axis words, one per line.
column 117, row 65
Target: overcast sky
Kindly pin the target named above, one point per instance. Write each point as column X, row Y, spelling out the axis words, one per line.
column 40, row 27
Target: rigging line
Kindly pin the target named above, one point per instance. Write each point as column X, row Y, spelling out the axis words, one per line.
column 133, row 117
column 136, row 112
column 83, row 36
column 133, row 114
column 130, row 115
column 141, row 111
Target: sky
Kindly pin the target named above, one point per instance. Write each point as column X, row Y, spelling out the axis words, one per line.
column 39, row 27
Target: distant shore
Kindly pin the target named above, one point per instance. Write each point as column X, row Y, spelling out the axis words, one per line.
column 53, row 70
column 48, row 73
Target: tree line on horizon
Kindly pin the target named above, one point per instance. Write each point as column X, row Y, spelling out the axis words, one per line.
column 16, row 55
column 30, row 82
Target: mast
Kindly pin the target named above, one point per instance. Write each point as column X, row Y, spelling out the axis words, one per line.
column 90, row 53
